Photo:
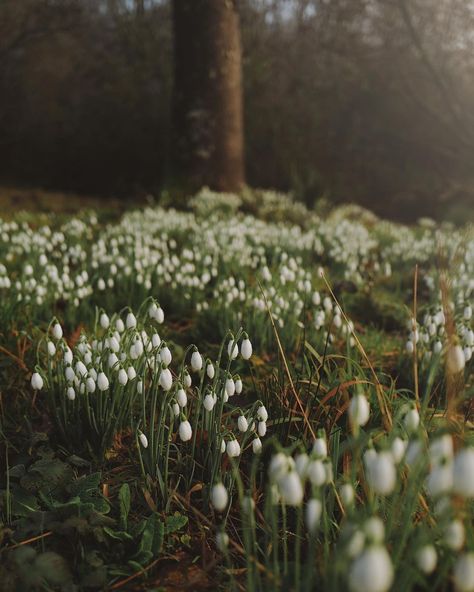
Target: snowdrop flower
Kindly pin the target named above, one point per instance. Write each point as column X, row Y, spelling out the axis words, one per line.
column 185, row 431
column 140, row 387
column 230, row 386
column 320, row 447
column 166, row 379
column 246, row 349
column 256, row 445
column 381, row 473
column 176, row 409
column 238, row 386
column 104, row 321
column 359, row 410
column 242, row 423
column 455, row 360
column 316, row 473
column 426, row 559
column 463, row 573
column 463, row 474
column 219, row 497
column 372, row 571
column 119, row 325
column 102, row 382
column 196, row 361
column 414, row 452
column 262, row 428
column 155, row 340
column 112, row 360
column 143, row 440
column 454, row 535
column 90, row 385
column 222, row 541
column 181, row 398
column 57, row 331
column 437, row 347
column 131, row 321
column 81, row 370
column 165, row 356
column 122, row 377
column 232, row 349
column 51, row 348
column 210, row 370
column 71, row 393
column 68, row 356
column 223, row 446
column 36, row 381
column 398, row 449
column 131, row 373
column 347, row 494
column 374, row 530
column 69, row 374
column 467, row 313
column 291, row 488
column 233, row 448
column 209, row 402
column 160, row 315
column 411, row 421
column 313, row 512
column 187, row 379
column 301, row 464
column 440, row 479
column 262, row 413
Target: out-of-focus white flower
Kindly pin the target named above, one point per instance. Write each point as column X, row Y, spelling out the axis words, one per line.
column 347, row 494
column 371, row 571
column 463, row 473
column 313, row 512
column 219, row 497
column 381, row 473
column 455, row 360
column 71, row 393
column 455, row 535
column 463, row 574
column 320, row 447
column 426, row 558
column 359, row 410
column 411, row 421
column 291, row 488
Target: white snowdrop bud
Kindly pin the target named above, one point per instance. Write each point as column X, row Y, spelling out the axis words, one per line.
column 219, row 497
column 242, row 423
column 36, row 381
column 222, row 541
column 441, row 448
column 68, row 356
column 140, row 387
column 409, row 347
column 238, row 386
column 301, row 464
column 464, row 472
column 196, row 361
column 119, row 325
column 426, row 559
column 437, row 347
column 131, row 321
column 381, row 474
column 232, row 349
column 223, row 446
column 181, row 398
column 104, row 321
column 155, row 340
column 374, row 530
column 166, row 379
column 454, row 535
column 210, row 370
column 398, row 449
column 262, row 428
column 51, row 348
column 467, row 314
column 176, row 409
column 313, row 513
column 316, row 472
column 160, row 315
column 347, row 494
column 131, row 373
column 185, row 431
column 230, row 386
column 71, row 393
column 90, row 385
column 316, row 298
column 246, row 349
column 414, row 452
column 143, row 440
column 320, row 447
column 355, row 544
column 57, row 331
column 102, row 382
column 455, row 360
column 256, row 445
column 233, row 448
column 81, row 370
column 209, row 402
column 440, row 479
column 411, row 421
column 291, row 488
column 137, row 348
column 372, row 571
column 262, row 413
column 69, row 374
column 122, row 377
column 359, row 410
column 187, row 379
column 463, row 573
column 165, row 356
column 112, row 360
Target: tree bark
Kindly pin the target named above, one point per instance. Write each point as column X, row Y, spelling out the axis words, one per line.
column 208, row 147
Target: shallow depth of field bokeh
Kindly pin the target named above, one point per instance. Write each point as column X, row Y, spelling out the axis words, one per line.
column 236, row 295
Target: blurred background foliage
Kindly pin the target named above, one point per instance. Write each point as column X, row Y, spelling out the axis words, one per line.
column 349, row 100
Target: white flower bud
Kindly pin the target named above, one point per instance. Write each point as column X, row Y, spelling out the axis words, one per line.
column 57, row 331
column 291, row 488
column 140, row 387
column 210, row 370
column 51, row 348
column 209, row 402
column 131, row 321
column 69, row 374
column 256, row 445
column 81, row 370
column 165, row 356
column 238, row 386
column 464, row 472
column 463, row 573
column 155, row 340
column 36, row 381
column 68, row 356
column 347, row 494
column 196, row 361
column 160, row 315
column 223, row 446
column 131, row 373
column 262, row 413
column 242, row 423
column 320, row 447
column 398, row 449
column 119, row 325
column 166, row 379
column 454, row 535
column 230, row 386
column 372, row 571
column 187, row 380
column 246, row 349
column 222, row 541
column 232, row 349
column 143, row 440
column 112, row 360
column 316, row 472
column 181, row 398
column 381, row 473
column 219, row 497
column 359, row 410
column 176, row 409
column 411, row 421
column 233, row 448
column 122, row 377
column 440, row 479
column 102, row 382
column 426, row 559
column 90, row 385
column 185, row 431
column 455, row 360
column 301, row 464
column 374, row 530
column 104, row 321
column 313, row 513
column 262, row 428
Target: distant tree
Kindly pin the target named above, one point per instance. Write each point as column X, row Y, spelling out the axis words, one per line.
column 208, row 146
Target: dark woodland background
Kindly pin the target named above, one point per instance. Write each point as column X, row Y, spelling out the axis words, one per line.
column 370, row 101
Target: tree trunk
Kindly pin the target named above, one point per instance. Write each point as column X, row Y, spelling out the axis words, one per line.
column 207, row 104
